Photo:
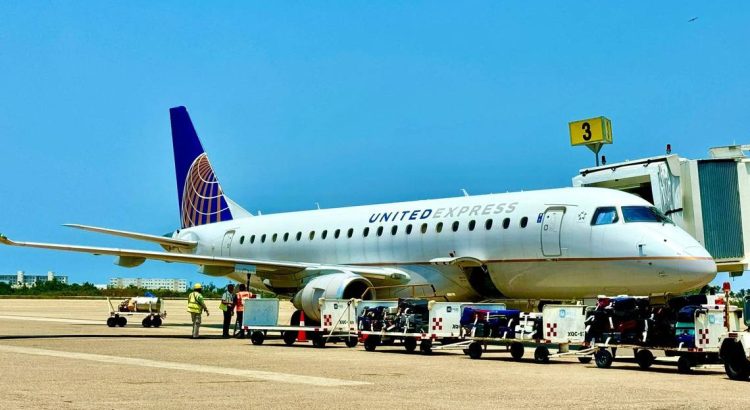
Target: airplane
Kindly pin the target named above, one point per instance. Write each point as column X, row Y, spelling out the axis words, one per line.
column 547, row 244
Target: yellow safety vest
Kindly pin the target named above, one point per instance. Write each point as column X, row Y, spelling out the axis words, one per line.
column 195, row 302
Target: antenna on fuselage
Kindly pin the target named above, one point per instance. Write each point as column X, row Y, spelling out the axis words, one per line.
column 464, row 191
column 317, row 204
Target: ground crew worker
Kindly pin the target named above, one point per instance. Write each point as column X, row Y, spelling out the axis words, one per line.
column 227, row 306
column 240, row 307
column 196, row 306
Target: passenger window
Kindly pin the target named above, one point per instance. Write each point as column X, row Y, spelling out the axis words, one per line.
column 488, row 224
column 408, row 229
column 299, row 235
column 252, row 239
column 366, row 232
column 273, row 238
column 439, row 227
column 455, row 226
column 380, row 231
column 424, row 228
column 524, row 222
column 263, row 238
column 472, row 224
column 350, row 232
column 324, row 234
column 242, row 239
column 506, row 223
column 604, row 216
column 394, row 229
column 286, row 236
column 336, row 233
column 312, row 235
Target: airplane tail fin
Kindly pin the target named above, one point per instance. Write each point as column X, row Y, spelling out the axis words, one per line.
column 200, row 196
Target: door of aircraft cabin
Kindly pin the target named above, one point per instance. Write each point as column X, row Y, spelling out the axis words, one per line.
column 551, row 226
column 226, row 244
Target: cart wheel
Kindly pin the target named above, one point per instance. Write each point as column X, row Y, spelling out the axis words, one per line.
column 318, row 340
column 736, row 364
column 257, row 337
column 475, row 350
column 156, row 321
column 289, row 337
column 371, row 343
column 425, row 347
column 351, row 341
column 410, row 344
column 603, row 358
column 111, row 322
column 684, row 365
column 146, row 322
column 541, row 354
column 584, row 359
column 121, row 321
column 644, row 358
column 516, row 350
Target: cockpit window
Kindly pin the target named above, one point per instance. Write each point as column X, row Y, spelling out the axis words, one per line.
column 605, row 215
column 644, row 214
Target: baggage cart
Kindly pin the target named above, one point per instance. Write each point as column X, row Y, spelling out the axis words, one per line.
column 563, row 326
column 710, row 330
column 443, row 326
column 339, row 322
column 151, row 308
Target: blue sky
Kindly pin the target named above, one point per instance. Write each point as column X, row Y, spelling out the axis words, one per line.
column 342, row 104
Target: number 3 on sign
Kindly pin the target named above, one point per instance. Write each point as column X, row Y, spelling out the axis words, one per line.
column 586, row 127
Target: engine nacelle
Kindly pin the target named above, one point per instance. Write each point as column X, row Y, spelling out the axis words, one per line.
column 345, row 285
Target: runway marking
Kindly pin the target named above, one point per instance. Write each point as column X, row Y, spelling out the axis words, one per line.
column 52, row 319
column 188, row 367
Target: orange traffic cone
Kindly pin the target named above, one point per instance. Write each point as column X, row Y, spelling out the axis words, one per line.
column 301, row 335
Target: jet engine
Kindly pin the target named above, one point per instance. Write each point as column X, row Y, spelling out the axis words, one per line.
column 342, row 285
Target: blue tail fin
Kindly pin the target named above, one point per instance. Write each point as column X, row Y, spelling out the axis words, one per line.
column 201, row 198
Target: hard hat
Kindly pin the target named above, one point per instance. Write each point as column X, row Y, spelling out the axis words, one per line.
column 197, row 286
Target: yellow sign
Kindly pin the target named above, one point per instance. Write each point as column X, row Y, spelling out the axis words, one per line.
column 591, row 131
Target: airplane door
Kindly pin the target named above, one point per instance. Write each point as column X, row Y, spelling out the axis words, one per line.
column 226, row 244
column 551, row 224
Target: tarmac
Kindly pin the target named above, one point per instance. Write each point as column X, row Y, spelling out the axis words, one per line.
column 60, row 354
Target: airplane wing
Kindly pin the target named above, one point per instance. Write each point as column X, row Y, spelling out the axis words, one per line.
column 279, row 273
column 165, row 242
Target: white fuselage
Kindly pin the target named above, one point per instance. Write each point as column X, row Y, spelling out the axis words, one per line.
column 557, row 253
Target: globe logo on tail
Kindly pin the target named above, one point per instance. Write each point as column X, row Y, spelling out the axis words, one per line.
column 202, row 197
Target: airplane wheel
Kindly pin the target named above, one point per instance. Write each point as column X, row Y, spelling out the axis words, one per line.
column 156, row 321
column 425, row 347
column 351, row 341
column 111, row 322
column 475, row 350
column 289, row 337
column 257, row 337
column 410, row 344
column 603, row 358
column 294, row 321
column 371, row 343
column 684, row 365
column 146, row 322
column 516, row 350
column 541, row 354
column 121, row 321
column 644, row 358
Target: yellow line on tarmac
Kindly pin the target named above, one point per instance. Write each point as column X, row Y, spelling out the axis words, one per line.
column 188, row 367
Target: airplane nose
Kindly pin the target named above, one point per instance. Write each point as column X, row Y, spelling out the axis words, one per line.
column 701, row 266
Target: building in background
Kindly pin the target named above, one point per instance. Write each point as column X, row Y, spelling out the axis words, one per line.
column 175, row 285
column 21, row 279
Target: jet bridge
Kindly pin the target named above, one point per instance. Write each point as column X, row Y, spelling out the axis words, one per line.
column 709, row 198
